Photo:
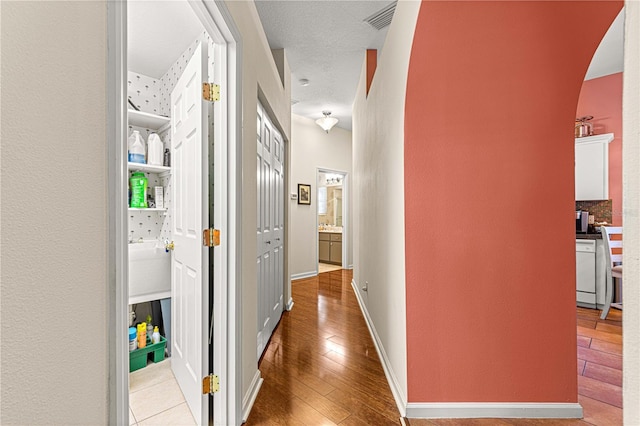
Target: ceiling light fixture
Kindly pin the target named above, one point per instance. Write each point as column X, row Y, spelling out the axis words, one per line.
column 303, row 82
column 326, row 122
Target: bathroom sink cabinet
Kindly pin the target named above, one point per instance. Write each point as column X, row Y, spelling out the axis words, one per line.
column 330, row 247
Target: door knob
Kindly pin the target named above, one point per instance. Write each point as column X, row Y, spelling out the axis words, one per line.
column 169, row 246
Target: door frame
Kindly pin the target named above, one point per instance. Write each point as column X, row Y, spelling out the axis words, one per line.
column 345, row 217
column 218, row 22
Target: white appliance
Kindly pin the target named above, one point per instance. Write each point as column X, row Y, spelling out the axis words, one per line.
column 586, row 273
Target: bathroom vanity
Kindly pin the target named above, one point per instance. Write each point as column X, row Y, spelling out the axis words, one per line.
column 330, row 247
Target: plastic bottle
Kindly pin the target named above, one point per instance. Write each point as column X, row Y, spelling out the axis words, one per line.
column 136, row 148
column 155, row 337
column 149, row 331
column 154, row 150
column 138, row 184
column 133, row 339
column 142, row 335
column 167, row 158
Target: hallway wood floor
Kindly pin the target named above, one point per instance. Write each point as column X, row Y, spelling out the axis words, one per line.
column 321, row 367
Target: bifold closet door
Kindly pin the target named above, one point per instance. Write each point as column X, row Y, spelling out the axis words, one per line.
column 270, row 224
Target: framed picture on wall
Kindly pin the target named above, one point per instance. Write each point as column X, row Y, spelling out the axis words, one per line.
column 304, row 194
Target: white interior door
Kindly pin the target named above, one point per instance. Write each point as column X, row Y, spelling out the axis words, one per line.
column 189, row 264
column 270, row 224
column 277, row 286
column 264, row 231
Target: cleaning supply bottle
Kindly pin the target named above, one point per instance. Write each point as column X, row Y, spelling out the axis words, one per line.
column 155, row 337
column 167, row 158
column 138, row 184
column 154, row 150
column 136, row 148
column 142, row 335
column 133, row 339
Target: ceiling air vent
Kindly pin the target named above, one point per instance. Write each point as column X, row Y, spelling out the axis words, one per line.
column 382, row 18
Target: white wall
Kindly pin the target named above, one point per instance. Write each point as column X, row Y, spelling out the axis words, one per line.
column 631, row 212
column 312, row 148
column 54, row 213
column 259, row 76
column 378, row 165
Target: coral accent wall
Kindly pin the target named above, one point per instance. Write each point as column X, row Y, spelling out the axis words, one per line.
column 491, row 100
column 602, row 98
column 372, row 63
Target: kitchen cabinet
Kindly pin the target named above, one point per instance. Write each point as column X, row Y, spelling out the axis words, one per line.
column 592, row 167
column 330, row 247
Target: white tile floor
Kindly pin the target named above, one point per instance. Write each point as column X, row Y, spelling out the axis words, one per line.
column 155, row 397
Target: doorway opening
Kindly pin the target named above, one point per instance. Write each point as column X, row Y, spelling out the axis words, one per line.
column 331, row 220
column 160, row 57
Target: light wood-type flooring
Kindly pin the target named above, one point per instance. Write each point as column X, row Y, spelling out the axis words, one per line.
column 321, row 367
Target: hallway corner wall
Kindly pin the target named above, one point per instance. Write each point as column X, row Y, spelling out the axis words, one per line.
column 631, row 196
column 312, row 148
column 54, row 210
column 260, row 77
column 378, row 194
column 498, row 84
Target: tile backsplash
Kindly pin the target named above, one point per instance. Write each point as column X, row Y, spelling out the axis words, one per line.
column 601, row 209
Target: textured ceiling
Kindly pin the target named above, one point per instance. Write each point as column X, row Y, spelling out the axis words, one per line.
column 325, row 43
column 608, row 59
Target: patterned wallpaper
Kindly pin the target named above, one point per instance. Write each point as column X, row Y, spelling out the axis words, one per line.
column 144, row 92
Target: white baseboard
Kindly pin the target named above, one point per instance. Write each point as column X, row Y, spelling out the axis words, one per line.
column 398, row 393
column 466, row 410
column 289, row 304
column 251, row 395
column 303, row 275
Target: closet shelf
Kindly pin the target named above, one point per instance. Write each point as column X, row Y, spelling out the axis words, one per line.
column 138, row 167
column 147, row 120
column 135, row 209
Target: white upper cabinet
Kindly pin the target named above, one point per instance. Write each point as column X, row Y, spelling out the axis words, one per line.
column 592, row 167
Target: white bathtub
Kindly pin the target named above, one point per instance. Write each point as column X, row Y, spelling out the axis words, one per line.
column 149, row 272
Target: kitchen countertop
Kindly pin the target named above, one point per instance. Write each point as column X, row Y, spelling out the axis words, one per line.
column 590, row 236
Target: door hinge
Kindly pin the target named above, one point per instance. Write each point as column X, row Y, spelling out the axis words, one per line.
column 210, row 384
column 211, row 237
column 211, row 92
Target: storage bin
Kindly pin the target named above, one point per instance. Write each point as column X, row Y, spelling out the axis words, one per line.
column 138, row 358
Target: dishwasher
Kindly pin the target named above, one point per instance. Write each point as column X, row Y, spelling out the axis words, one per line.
column 586, row 273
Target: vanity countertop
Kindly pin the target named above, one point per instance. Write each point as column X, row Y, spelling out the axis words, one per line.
column 328, row 231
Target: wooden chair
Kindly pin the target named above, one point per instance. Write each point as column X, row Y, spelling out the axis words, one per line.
column 613, row 253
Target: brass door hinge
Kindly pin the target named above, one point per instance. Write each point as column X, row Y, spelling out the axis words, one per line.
column 211, row 237
column 211, row 92
column 210, row 384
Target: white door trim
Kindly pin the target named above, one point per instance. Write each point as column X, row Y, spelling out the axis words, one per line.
column 117, row 257
column 345, row 217
column 227, row 351
column 227, row 404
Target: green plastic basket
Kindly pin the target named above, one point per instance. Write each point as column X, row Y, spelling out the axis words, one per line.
column 138, row 358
